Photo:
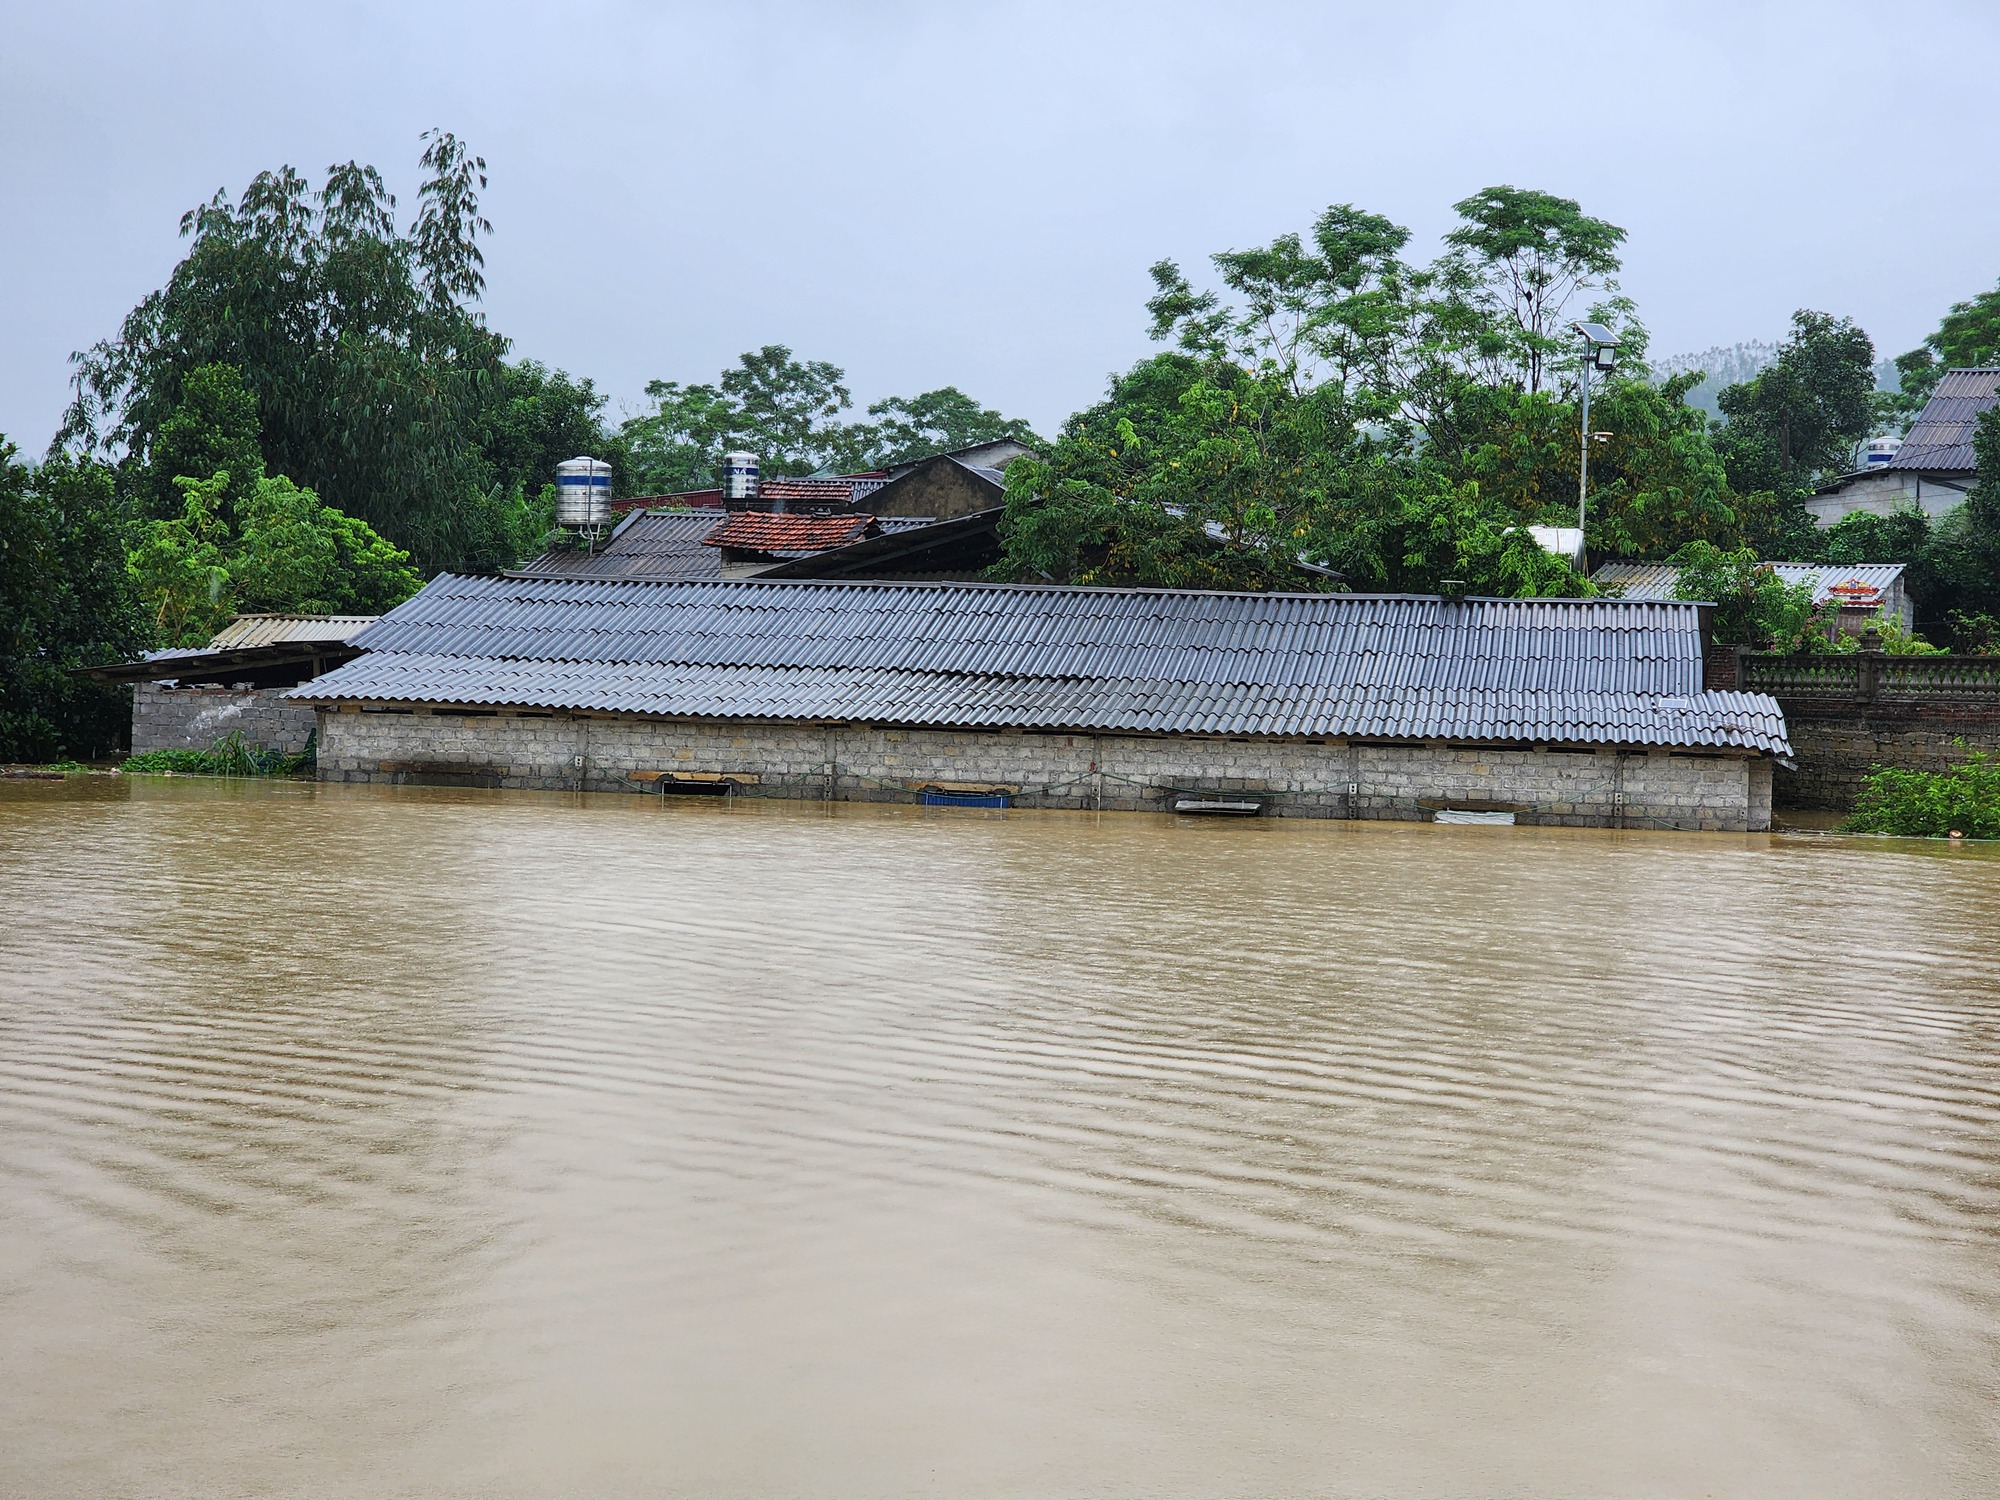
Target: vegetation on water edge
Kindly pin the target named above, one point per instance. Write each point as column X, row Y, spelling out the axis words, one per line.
column 1932, row 804
column 228, row 756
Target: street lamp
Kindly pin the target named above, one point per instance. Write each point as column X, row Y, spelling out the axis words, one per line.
column 1600, row 353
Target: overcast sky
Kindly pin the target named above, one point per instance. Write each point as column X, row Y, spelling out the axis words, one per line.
column 967, row 194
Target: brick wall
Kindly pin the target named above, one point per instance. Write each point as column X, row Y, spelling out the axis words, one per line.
column 194, row 718
column 1304, row 778
column 1837, row 741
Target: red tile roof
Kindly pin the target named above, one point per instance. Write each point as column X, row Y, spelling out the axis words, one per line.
column 761, row 531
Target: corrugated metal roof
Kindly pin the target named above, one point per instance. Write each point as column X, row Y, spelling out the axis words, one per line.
column 1941, row 437
column 270, row 630
column 1063, row 658
column 663, row 546
column 1655, row 581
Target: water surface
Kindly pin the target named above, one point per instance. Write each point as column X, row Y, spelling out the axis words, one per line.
column 363, row 1142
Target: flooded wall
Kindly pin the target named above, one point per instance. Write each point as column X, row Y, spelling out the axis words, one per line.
column 1303, row 778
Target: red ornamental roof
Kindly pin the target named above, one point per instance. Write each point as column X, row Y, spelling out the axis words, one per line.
column 761, row 531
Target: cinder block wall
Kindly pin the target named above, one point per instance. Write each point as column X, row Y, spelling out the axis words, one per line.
column 194, row 718
column 1306, row 778
column 1837, row 742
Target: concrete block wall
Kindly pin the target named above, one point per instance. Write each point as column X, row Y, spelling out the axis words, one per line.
column 1836, row 742
column 1305, row 778
column 194, row 718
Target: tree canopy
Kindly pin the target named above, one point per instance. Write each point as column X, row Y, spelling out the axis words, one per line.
column 374, row 378
column 788, row 411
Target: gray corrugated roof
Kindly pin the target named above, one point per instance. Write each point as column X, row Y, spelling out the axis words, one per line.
column 1655, row 581
column 1941, row 437
column 663, row 546
column 1062, row 658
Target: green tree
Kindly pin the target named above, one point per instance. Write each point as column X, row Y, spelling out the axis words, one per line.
column 1210, row 491
column 1802, row 414
column 1322, row 314
column 536, row 418
column 1968, row 336
column 1520, row 257
column 914, row 427
column 65, row 602
column 787, row 411
column 291, row 554
column 1407, row 526
column 211, row 428
column 1754, row 607
column 370, row 367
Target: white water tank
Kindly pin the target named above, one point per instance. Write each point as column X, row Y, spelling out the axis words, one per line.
column 1881, row 450
column 583, row 493
column 739, row 479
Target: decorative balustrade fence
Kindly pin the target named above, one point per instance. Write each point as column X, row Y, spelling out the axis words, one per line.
column 1872, row 677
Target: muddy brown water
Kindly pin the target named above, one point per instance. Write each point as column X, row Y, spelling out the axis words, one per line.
column 360, row 1142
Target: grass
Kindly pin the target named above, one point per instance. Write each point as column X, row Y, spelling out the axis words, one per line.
column 228, row 756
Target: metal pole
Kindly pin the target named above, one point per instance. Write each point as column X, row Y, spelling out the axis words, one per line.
column 1583, row 459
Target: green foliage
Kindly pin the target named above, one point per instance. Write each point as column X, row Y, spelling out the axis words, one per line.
column 937, row 421
column 1799, row 418
column 1969, row 335
column 1932, row 804
column 787, row 411
column 1212, row 494
column 291, row 554
column 537, row 418
column 1520, row 256
column 371, row 373
column 1323, row 317
column 211, row 429
column 1404, row 426
column 228, row 756
column 1753, row 606
column 64, row 602
column 1410, row 528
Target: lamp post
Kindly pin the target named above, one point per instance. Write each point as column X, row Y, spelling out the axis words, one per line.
column 1600, row 352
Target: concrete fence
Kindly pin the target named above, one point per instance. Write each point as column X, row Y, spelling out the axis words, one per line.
column 1848, row 714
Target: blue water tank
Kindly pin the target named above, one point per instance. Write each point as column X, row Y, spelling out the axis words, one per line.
column 1881, row 450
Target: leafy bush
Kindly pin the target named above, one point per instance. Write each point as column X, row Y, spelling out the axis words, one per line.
column 1932, row 804
column 228, row 756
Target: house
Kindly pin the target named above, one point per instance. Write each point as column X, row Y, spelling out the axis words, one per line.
column 188, row 698
column 1864, row 591
column 1585, row 712
column 672, row 545
column 819, row 492
column 1934, row 466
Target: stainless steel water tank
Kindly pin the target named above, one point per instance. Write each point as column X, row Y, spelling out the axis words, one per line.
column 583, row 493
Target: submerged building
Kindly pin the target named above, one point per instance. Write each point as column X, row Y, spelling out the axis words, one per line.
column 1583, row 712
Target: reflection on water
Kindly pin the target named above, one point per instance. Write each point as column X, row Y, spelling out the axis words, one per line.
column 368, row 1142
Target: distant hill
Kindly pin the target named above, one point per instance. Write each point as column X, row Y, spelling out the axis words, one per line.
column 1739, row 362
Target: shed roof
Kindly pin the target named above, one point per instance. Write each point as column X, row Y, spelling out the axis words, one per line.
column 270, row 630
column 1941, row 437
column 1110, row 660
column 1655, row 581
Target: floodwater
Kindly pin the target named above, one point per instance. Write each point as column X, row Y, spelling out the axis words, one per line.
column 363, row 1142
